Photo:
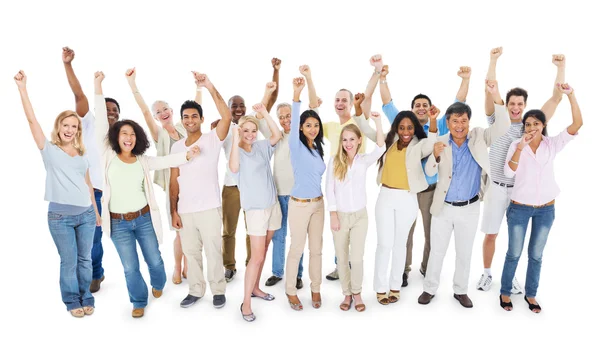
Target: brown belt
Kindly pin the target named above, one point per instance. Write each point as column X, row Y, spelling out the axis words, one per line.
column 315, row 199
column 534, row 206
column 130, row 215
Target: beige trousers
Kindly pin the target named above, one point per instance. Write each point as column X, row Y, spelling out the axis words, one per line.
column 350, row 247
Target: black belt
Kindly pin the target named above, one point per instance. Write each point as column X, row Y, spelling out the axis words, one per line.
column 463, row 203
column 502, row 184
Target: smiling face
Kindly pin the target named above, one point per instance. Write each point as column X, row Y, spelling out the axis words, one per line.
column 406, row 131
column 343, row 104
column 421, row 110
column 191, row 120
column 351, row 142
column 67, row 131
column 126, row 138
column 534, row 127
column 237, row 108
column 162, row 113
column 113, row 112
column 458, row 126
column 516, row 106
column 248, row 132
column 310, row 129
column 285, row 118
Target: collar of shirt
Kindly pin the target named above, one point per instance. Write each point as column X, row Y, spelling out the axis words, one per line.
column 450, row 139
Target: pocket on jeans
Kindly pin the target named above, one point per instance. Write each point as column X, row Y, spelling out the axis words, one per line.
column 54, row 216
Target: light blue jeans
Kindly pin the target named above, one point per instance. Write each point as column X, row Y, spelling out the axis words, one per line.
column 278, row 265
column 124, row 235
column 97, row 251
column 73, row 236
column 517, row 217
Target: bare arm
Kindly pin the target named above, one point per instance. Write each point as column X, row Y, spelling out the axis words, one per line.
column 377, row 63
column 34, row 126
column 575, row 111
column 551, row 104
column 491, row 76
column 234, row 156
column 384, row 90
column 225, row 122
column 93, row 197
column 273, row 98
column 154, row 128
column 273, row 129
column 313, row 99
column 465, row 74
column 174, row 197
column 198, row 97
column 270, row 88
column 82, row 105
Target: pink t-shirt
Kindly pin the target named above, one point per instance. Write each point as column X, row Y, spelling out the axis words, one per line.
column 535, row 183
column 199, row 179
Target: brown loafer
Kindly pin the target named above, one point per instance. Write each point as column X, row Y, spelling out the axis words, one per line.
column 95, row 286
column 464, row 300
column 137, row 312
column 156, row 293
column 425, row 298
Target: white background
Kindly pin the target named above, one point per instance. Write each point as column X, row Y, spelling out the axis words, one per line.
column 424, row 44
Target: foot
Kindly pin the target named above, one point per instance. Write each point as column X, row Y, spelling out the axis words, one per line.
column 425, row 298
column 464, row 300
column 294, row 302
column 156, row 293
column 485, row 282
column 77, row 312
column 333, row 275
column 137, row 312
column 219, row 301
column 516, row 287
column 229, row 274
column 95, row 286
column 247, row 314
column 299, row 283
column 506, row 303
column 346, row 304
column 257, row 293
column 359, row 305
column 383, row 299
column 272, row 280
column 533, row 305
column 422, row 271
column 316, row 300
column 404, row 280
column 394, row 296
column 88, row 310
column 176, row 277
column 189, row 301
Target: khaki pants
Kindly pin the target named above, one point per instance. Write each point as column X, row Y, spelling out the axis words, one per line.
column 425, row 199
column 305, row 218
column 231, row 215
column 203, row 229
column 350, row 246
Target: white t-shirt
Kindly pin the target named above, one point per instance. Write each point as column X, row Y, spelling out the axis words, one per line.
column 91, row 149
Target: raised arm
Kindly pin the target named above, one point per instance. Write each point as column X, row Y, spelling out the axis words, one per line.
column 34, row 126
column 294, row 140
column 276, row 63
column 234, row 156
column 174, row 198
column 274, row 130
column 359, row 98
column 270, row 88
column 575, row 111
column 465, row 74
column 100, row 112
column 198, row 97
column 224, row 112
column 501, row 122
column 550, row 106
column 313, row 99
column 130, row 74
column 388, row 107
column 491, row 76
column 82, row 105
column 377, row 64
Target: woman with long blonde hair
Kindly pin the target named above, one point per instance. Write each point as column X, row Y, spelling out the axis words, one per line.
column 72, row 212
column 347, row 200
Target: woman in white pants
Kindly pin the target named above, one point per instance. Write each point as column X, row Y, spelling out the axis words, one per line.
column 347, row 201
column 401, row 177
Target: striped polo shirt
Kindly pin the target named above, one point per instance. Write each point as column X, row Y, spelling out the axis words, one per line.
column 499, row 149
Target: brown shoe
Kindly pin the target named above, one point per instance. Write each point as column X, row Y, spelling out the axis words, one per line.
column 156, row 293
column 425, row 298
column 464, row 300
column 95, row 286
column 137, row 312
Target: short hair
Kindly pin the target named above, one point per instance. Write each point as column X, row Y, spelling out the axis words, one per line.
column 419, row 96
column 231, row 99
column 536, row 114
column 190, row 105
column 282, row 105
column 141, row 139
column 108, row 99
column 516, row 92
column 459, row 109
column 346, row 90
column 245, row 119
column 77, row 140
column 157, row 102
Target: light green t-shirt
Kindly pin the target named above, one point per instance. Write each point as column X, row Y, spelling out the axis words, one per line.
column 126, row 182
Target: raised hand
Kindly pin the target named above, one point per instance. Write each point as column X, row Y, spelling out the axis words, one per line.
column 564, row 88
column 236, row 134
column 559, row 60
column 21, row 79
column 491, row 86
column 202, row 80
column 276, row 63
column 319, row 102
column 67, row 55
column 305, row 70
column 299, row 84
column 438, row 147
column 193, row 152
column 130, row 74
column 525, row 140
column 260, row 108
column 270, row 87
column 377, row 62
column 384, row 71
column 495, row 53
column 375, row 116
column 434, row 112
column 464, row 72
column 98, row 77
column 358, row 99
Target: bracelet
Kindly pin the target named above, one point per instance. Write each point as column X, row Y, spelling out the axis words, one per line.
column 198, row 89
column 378, row 71
column 382, row 81
column 136, row 92
column 511, row 161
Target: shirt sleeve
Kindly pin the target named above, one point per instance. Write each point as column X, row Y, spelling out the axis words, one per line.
column 294, row 141
column 390, row 111
column 372, row 157
column 508, row 172
column 559, row 141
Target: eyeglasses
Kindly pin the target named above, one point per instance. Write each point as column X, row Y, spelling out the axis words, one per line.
column 289, row 116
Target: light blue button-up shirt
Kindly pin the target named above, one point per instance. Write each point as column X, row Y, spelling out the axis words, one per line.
column 466, row 173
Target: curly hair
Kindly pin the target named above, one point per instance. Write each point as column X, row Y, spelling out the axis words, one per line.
column 141, row 139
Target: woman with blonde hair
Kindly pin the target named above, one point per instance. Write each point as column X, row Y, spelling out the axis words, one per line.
column 347, row 201
column 72, row 212
column 250, row 163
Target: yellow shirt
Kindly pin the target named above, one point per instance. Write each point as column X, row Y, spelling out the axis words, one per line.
column 333, row 131
column 394, row 168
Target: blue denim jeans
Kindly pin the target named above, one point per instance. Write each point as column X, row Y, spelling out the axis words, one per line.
column 72, row 235
column 124, row 235
column 97, row 252
column 278, row 265
column 517, row 217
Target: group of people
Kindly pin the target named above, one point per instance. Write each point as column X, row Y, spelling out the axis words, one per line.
column 99, row 181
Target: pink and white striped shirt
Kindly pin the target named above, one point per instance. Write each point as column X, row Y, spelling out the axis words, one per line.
column 535, row 183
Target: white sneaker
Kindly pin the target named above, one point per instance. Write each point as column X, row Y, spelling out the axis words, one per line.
column 485, row 282
column 516, row 287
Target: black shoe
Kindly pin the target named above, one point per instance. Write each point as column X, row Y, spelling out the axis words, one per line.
column 425, row 298
column 299, row 283
column 535, row 308
column 219, row 301
column 229, row 274
column 422, row 271
column 188, row 301
column 404, row 280
column 505, row 305
column 272, row 281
